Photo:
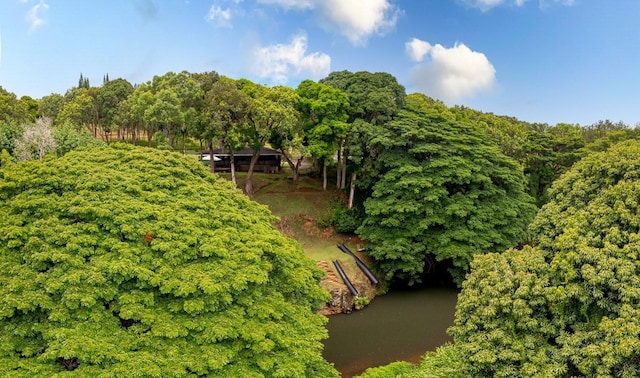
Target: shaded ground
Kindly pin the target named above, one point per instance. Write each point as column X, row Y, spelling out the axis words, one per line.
column 301, row 206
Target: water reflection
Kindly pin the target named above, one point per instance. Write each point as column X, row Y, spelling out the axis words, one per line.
column 398, row 326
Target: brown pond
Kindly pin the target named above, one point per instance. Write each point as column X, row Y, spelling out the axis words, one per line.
column 399, row 326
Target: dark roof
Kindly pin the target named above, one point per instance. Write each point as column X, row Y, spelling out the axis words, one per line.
column 244, row 152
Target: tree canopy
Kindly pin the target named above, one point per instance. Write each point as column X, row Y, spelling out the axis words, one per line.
column 127, row 261
column 569, row 306
column 445, row 192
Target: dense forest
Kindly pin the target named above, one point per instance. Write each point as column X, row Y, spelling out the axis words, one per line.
column 535, row 222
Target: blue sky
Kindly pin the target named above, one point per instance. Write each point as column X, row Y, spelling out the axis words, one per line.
column 574, row 61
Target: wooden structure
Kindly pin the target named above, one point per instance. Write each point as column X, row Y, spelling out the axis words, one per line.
column 269, row 160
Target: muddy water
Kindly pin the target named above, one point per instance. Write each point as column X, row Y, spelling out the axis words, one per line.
column 399, row 326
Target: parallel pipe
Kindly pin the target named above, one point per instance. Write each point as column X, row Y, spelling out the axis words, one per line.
column 363, row 267
column 345, row 279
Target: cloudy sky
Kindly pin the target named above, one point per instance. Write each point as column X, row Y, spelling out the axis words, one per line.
column 574, row 61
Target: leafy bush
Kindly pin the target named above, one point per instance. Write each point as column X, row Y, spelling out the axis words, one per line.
column 345, row 221
column 361, row 302
column 392, row 370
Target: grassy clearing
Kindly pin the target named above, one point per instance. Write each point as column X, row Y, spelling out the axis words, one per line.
column 299, row 206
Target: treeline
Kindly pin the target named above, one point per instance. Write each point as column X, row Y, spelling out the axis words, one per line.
column 426, row 183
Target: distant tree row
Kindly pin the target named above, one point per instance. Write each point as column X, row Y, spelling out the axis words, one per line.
column 425, row 183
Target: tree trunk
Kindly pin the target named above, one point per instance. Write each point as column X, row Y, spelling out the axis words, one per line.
column 232, row 160
column 343, row 162
column 149, row 137
column 184, row 145
column 248, row 185
column 343, row 179
column 339, row 167
column 296, row 170
column 212, row 163
column 324, row 176
column 171, row 137
column 352, row 189
column 295, row 167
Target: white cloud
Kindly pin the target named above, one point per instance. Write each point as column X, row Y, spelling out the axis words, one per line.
column 357, row 20
column 279, row 61
column 546, row 3
column 34, row 16
column 450, row 74
column 220, row 17
column 417, row 49
column 485, row 5
column 291, row 4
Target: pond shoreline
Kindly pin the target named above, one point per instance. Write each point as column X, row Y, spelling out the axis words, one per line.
column 399, row 326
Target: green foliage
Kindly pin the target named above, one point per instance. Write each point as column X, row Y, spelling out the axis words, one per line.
column 51, row 105
column 271, row 110
column 546, row 155
column 393, row 370
column 503, row 322
column 445, row 191
column 373, row 97
column 324, row 109
column 79, row 107
column 570, row 305
column 226, row 112
column 361, row 302
column 344, row 220
column 14, row 109
column 447, row 361
column 160, row 141
column 69, row 137
column 9, row 132
column 108, row 98
column 120, row 260
column 5, row 158
column 508, row 132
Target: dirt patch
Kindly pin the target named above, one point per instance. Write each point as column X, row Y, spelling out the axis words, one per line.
column 309, row 227
column 285, row 228
column 327, row 233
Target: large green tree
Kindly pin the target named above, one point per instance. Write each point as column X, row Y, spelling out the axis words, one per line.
column 226, row 109
column 51, row 105
column 14, row 109
column 190, row 96
column 270, row 109
column 128, row 261
column 9, row 132
column 80, row 109
column 570, row 305
column 374, row 98
column 445, row 192
column 108, row 97
column 324, row 111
